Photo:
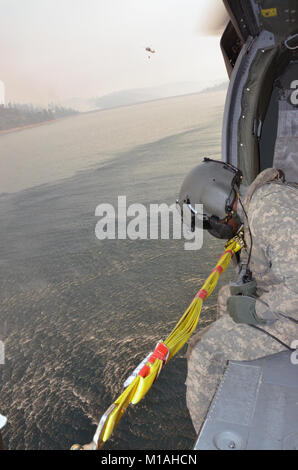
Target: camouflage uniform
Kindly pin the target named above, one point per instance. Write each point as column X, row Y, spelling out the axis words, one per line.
column 272, row 208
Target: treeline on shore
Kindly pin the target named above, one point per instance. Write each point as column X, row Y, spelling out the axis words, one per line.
column 19, row 115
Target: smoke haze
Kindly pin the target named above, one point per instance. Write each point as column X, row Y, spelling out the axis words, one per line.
column 59, row 49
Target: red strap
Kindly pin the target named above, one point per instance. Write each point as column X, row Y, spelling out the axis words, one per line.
column 230, row 251
column 202, row 294
column 161, row 352
column 144, row 372
column 218, row 269
column 227, row 251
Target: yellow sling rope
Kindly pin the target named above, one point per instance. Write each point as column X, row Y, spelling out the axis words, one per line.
column 164, row 351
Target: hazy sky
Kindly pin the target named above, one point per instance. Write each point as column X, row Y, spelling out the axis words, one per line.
column 56, row 49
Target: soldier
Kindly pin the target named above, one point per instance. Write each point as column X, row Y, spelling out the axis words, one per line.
column 258, row 314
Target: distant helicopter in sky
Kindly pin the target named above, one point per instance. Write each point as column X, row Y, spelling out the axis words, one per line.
column 150, row 50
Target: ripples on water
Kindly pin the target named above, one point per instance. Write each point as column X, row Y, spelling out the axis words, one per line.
column 78, row 314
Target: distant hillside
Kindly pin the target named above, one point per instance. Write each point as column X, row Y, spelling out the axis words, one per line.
column 140, row 95
column 127, row 97
column 221, row 87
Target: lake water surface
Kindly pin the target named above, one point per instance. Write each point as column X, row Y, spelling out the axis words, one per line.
column 77, row 314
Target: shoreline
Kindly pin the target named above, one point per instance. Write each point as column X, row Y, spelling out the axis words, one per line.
column 28, row 126
column 36, row 124
column 101, row 110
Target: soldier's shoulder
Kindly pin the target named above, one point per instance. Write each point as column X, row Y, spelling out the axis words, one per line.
column 280, row 194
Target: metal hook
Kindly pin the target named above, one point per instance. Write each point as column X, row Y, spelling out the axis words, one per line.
column 291, row 48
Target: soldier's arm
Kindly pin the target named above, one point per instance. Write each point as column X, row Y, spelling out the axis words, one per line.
column 272, row 221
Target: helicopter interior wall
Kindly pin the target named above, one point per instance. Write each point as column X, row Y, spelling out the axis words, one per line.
column 279, row 139
column 255, row 101
column 269, row 132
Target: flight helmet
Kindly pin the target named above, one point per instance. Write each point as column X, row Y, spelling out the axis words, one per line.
column 215, row 184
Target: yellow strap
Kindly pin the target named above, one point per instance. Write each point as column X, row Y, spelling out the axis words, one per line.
column 136, row 391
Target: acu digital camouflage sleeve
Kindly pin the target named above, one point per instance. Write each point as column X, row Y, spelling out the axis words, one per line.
column 273, row 220
column 273, row 217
